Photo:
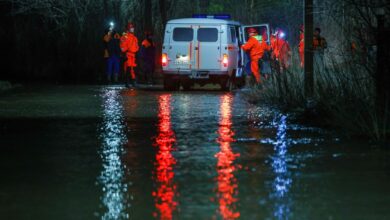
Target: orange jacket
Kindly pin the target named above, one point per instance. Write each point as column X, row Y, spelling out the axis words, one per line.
column 256, row 49
column 301, row 48
column 129, row 43
column 280, row 48
column 145, row 43
column 319, row 43
column 273, row 46
column 282, row 51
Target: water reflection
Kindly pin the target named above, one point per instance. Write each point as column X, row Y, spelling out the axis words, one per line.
column 113, row 137
column 282, row 181
column 227, row 186
column 165, row 195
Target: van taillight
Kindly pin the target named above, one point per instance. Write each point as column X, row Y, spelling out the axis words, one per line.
column 225, row 60
column 164, row 59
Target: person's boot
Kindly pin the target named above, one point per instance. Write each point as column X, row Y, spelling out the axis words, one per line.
column 127, row 81
column 134, row 83
column 150, row 79
column 116, row 78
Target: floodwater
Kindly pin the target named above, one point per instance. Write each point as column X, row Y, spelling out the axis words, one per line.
column 86, row 152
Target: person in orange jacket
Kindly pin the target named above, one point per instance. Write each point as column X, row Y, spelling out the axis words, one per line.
column 281, row 51
column 319, row 46
column 319, row 42
column 129, row 45
column 256, row 50
column 301, row 46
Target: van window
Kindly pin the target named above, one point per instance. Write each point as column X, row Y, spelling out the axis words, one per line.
column 207, row 34
column 233, row 36
column 183, row 34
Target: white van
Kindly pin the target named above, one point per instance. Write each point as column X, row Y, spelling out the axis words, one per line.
column 204, row 50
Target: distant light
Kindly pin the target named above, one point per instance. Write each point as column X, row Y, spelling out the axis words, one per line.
column 112, row 24
column 222, row 16
column 282, row 35
column 215, row 16
column 199, row 16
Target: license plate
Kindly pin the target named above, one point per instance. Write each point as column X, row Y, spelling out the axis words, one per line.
column 200, row 75
column 182, row 62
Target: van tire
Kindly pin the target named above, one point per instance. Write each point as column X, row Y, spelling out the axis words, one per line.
column 227, row 84
column 240, row 82
column 186, row 86
column 171, row 84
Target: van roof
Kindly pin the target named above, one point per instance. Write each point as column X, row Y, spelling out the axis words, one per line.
column 202, row 21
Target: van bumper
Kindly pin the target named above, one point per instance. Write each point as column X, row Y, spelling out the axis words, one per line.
column 195, row 75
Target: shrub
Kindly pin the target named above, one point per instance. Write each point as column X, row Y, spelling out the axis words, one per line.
column 344, row 96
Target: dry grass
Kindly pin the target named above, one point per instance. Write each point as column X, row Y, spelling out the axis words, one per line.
column 344, row 96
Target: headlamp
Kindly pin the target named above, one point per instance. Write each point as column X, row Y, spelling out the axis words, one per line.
column 111, row 26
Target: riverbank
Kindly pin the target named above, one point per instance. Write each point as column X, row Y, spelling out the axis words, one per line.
column 344, row 100
column 5, row 85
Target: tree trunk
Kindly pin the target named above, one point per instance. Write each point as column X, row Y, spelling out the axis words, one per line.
column 105, row 9
column 382, row 72
column 309, row 77
column 163, row 11
column 148, row 15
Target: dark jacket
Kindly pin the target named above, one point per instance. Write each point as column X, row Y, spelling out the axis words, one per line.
column 148, row 51
column 113, row 47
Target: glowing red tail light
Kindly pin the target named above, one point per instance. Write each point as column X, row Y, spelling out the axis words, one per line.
column 225, row 60
column 164, row 59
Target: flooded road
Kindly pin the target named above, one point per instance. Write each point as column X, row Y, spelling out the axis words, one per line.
column 111, row 153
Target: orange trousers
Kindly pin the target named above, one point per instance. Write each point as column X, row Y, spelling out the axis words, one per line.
column 255, row 70
column 130, row 63
column 302, row 59
column 131, row 59
column 131, row 70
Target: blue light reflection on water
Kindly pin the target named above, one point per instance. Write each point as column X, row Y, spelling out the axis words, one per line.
column 113, row 136
column 282, row 180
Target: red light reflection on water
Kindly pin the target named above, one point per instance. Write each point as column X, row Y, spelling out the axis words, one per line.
column 165, row 194
column 227, row 187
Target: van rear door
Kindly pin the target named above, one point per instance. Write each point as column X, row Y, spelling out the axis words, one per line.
column 261, row 28
column 208, row 48
column 194, row 47
column 180, row 48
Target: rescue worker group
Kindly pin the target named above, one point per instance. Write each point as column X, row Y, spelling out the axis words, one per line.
column 120, row 52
